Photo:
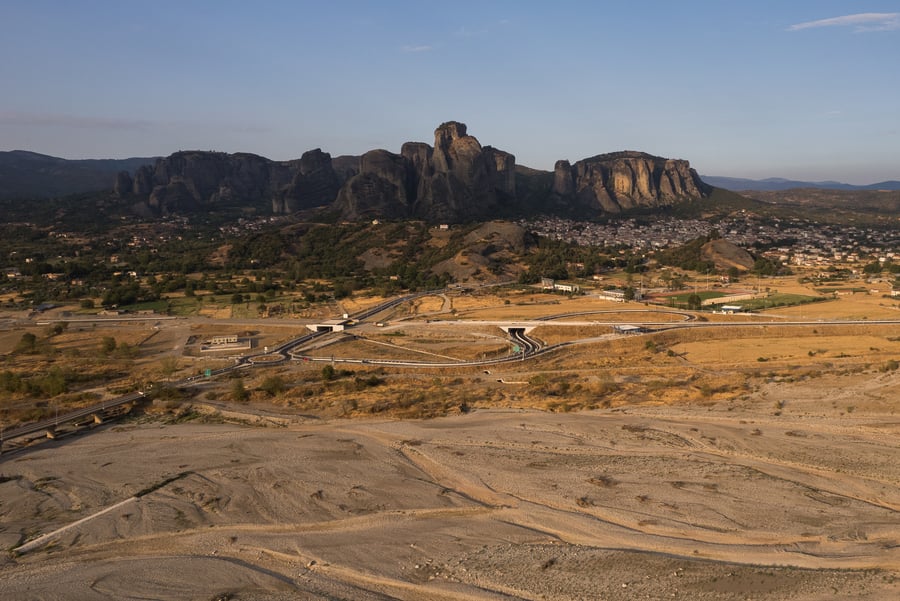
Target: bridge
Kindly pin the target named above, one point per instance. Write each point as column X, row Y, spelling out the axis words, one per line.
column 522, row 347
column 95, row 413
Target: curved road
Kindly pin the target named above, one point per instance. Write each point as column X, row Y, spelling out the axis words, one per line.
column 528, row 347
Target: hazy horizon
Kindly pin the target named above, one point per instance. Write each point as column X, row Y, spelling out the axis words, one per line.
column 804, row 90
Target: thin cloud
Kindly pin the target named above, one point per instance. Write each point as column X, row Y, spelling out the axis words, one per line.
column 73, row 121
column 465, row 32
column 861, row 22
column 62, row 120
column 422, row 48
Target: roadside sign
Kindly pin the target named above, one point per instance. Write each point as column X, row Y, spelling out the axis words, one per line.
column 207, row 372
column 516, row 348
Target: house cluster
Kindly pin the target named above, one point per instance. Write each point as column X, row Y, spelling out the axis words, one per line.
column 797, row 242
column 628, row 233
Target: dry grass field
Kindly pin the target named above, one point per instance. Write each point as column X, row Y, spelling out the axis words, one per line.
column 757, row 460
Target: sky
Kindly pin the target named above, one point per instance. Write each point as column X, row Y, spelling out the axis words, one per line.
column 806, row 89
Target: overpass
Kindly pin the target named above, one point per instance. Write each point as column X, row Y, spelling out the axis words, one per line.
column 331, row 325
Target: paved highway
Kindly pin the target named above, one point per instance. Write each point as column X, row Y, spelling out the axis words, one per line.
column 527, row 347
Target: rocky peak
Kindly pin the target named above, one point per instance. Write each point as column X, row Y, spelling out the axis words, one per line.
column 198, row 180
column 314, row 183
column 456, row 180
column 625, row 180
column 452, row 146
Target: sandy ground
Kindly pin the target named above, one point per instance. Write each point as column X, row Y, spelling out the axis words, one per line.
column 719, row 502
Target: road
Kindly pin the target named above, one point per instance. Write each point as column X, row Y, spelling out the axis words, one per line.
column 527, row 347
column 284, row 350
column 72, row 416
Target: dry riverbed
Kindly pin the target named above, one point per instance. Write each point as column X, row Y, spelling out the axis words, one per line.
column 736, row 502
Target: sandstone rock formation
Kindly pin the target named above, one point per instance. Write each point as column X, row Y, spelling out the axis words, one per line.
column 124, row 184
column 382, row 188
column 626, row 180
column 315, row 183
column 456, row 180
column 195, row 180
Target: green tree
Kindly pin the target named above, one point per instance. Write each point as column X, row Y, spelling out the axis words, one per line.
column 695, row 302
column 126, row 351
column 27, row 344
column 238, row 393
column 53, row 384
column 872, row 268
column 107, row 345
column 328, row 373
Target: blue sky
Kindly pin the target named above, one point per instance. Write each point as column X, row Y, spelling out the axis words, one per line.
column 806, row 89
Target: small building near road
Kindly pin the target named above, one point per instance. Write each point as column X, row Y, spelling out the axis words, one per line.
column 226, row 342
column 617, row 295
column 731, row 309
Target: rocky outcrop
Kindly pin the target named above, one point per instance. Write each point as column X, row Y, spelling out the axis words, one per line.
column 456, row 180
column 124, row 184
column 315, row 183
column 626, row 180
column 195, row 180
column 383, row 187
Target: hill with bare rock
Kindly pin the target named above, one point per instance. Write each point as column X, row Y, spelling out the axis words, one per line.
column 454, row 181
column 620, row 181
column 491, row 252
column 726, row 255
column 203, row 181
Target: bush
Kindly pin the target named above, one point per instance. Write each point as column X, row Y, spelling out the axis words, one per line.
column 107, row 345
column 371, row 381
column 273, row 385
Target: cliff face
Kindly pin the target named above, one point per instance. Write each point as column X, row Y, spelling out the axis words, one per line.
column 456, row 180
column 194, row 180
column 626, row 180
column 314, row 183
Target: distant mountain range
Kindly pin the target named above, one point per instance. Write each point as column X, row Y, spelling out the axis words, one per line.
column 739, row 184
column 29, row 175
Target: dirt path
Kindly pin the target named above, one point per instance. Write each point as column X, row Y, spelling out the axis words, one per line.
column 491, row 505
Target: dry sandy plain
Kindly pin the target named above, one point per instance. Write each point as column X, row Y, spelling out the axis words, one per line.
column 788, row 488
column 637, row 503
